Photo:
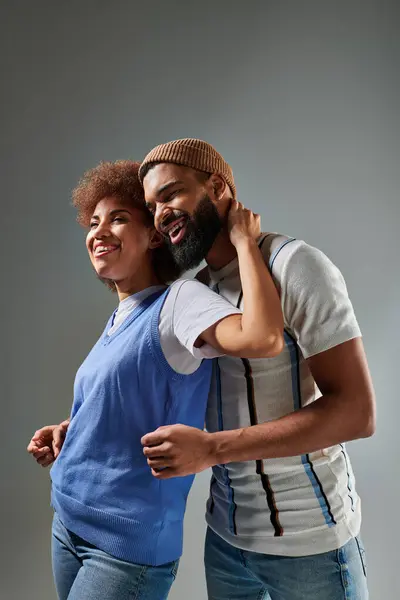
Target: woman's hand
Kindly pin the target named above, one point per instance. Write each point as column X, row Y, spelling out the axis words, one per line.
column 47, row 442
column 242, row 223
column 41, row 445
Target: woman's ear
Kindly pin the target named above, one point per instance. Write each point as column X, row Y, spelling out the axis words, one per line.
column 156, row 239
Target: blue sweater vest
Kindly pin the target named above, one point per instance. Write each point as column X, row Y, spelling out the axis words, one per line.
column 102, row 487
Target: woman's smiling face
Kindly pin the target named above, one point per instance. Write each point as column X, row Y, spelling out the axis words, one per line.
column 119, row 241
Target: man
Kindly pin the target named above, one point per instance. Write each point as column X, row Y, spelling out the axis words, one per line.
column 283, row 513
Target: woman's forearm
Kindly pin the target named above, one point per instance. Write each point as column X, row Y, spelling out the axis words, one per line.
column 262, row 319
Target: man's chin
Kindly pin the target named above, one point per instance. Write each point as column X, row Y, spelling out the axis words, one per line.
column 185, row 258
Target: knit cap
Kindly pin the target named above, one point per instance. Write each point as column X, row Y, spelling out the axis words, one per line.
column 192, row 153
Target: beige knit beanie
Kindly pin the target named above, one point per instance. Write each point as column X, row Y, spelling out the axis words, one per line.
column 192, row 153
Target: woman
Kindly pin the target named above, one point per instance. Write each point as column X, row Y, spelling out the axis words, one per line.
column 117, row 530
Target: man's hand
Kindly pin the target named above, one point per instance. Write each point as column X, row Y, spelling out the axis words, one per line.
column 178, row 450
column 47, row 442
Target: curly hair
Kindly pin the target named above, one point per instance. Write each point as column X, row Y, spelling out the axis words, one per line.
column 120, row 180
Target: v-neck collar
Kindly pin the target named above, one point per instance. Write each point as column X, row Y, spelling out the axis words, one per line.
column 137, row 311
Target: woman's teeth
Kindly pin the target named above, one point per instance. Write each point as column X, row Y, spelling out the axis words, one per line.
column 103, row 249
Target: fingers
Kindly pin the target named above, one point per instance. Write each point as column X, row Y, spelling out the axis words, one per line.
column 237, row 207
column 59, row 437
column 160, row 462
column 163, row 449
column 43, row 433
column 164, row 473
column 32, row 446
column 43, row 456
column 47, row 442
column 155, row 438
column 161, row 456
column 35, row 445
column 39, row 452
column 58, row 441
column 46, row 460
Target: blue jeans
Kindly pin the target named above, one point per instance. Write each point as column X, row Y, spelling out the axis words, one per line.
column 234, row 574
column 83, row 572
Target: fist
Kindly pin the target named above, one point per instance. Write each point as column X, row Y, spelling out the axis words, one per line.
column 178, row 450
column 242, row 223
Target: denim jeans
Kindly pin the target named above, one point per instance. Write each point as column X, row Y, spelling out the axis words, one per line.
column 234, row 574
column 83, row 572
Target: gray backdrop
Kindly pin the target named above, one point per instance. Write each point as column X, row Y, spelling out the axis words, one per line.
column 301, row 97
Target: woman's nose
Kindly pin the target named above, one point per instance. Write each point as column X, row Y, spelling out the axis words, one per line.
column 102, row 231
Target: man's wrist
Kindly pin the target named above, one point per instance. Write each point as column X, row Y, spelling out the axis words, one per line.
column 220, row 444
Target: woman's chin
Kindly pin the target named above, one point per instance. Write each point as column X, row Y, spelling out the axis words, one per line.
column 105, row 274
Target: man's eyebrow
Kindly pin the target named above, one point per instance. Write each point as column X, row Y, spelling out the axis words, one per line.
column 167, row 186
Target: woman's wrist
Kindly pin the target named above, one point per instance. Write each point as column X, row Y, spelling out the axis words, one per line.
column 244, row 242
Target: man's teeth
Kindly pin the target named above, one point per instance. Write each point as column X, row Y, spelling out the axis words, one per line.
column 175, row 228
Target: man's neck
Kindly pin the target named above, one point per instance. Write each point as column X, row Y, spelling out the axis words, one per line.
column 222, row 252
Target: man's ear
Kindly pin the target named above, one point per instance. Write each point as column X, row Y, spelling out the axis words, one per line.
column 156, row 239
column 219, row 186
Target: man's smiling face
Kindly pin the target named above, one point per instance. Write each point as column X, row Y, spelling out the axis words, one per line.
column 182, row 201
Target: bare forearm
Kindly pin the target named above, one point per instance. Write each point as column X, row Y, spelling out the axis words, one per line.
column 258, row 332
column 317, row 426
column 262, row 319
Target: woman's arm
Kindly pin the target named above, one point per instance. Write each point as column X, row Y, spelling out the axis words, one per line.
column 258, row 332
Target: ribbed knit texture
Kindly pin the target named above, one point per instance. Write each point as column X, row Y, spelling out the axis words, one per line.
column 102, row 486
column 193, row 153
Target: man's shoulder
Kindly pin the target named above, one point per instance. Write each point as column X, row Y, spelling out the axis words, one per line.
column 279, row 251
column 277, row 248
column 271, row 245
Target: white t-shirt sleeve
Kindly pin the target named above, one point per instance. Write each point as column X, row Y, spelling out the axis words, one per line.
column 189, row 309
column 315, row 300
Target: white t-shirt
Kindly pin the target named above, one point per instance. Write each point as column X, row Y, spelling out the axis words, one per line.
column 189, row 309
column 299, row 505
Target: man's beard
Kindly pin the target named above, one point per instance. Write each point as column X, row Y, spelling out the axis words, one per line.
column 201, row 231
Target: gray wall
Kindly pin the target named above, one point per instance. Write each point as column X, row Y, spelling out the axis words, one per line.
column 301, row 97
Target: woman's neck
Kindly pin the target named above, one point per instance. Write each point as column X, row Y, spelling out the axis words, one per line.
column 135, row 285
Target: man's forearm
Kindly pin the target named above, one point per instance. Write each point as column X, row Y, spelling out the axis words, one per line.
column 320, row 425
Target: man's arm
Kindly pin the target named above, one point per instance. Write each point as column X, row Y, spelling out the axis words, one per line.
column 320, row 315
column 346, row 411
